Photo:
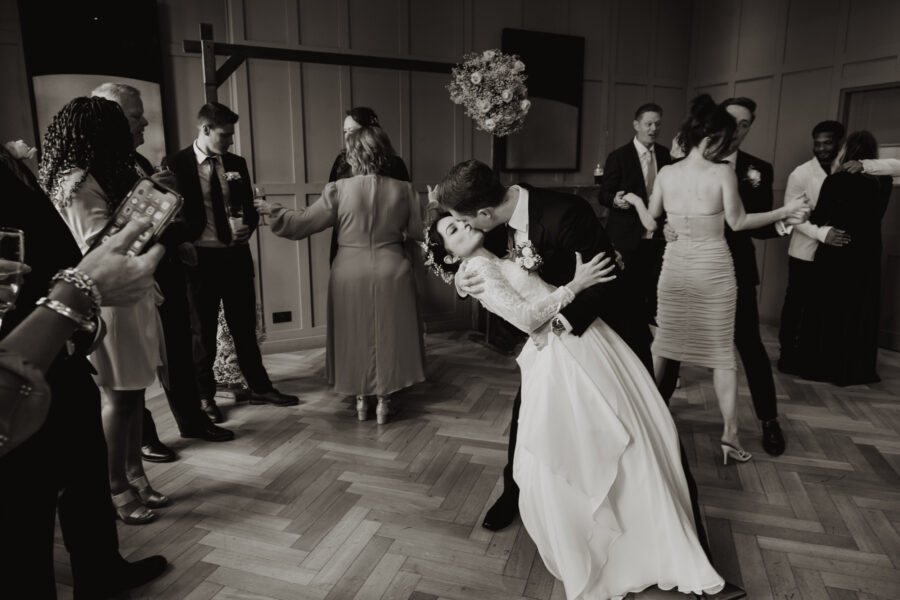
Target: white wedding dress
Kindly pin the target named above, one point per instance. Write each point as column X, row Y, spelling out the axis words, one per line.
column 603, row 494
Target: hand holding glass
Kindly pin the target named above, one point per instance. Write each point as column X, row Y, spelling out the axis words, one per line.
column 12, row 255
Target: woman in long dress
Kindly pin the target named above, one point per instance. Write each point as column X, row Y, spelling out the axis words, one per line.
column 839, row 335
column 87, row 168
column 697, row 289
column 373, row 342
column 602, row 490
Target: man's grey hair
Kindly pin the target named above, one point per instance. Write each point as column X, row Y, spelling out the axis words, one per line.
column 117, row 92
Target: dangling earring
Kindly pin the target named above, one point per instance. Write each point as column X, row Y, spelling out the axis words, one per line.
column 451, row 260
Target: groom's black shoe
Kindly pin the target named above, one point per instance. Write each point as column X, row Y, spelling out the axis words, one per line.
column 502, row 513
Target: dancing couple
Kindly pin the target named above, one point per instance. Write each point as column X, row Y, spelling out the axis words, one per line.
column 596, row 470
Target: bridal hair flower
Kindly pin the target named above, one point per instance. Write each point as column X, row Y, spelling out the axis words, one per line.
column 491, row 87
column 437, row 267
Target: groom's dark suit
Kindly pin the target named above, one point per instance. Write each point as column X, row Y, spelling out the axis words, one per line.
column 558, row 226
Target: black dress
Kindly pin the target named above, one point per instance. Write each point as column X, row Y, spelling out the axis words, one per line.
column 839, row 337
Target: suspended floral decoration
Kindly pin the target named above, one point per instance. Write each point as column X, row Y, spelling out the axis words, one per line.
column 491, row 87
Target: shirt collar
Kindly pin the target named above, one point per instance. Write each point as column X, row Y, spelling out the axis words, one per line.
column 642, row 149
column 201, row 155
column 519, row 218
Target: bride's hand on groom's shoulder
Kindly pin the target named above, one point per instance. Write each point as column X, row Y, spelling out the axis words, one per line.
column 599, row 269
column 470, row 283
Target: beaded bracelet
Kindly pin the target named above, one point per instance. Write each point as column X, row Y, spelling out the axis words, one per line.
column 85, row 323
column 83, row 283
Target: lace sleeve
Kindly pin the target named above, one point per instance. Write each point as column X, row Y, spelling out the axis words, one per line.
column 503, row 300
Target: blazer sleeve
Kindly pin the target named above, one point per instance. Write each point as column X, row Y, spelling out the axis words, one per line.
column 580, row 231
column 761, row 201
column 612, row 179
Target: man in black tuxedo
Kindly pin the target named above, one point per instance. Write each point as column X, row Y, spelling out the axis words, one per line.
column 632, row 169
column 755, row 188
column 216, row 183
column 558, row 225
column 64, row 464
column 181, row 387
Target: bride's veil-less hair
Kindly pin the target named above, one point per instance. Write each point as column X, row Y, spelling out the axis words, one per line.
column 707, row 119
column 436, row 257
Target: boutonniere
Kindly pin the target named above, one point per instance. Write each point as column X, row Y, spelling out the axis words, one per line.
column 754, row 176
column 232, row 176
column 526, row 257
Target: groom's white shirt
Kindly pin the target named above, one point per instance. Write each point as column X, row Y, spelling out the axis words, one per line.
column 518, row 222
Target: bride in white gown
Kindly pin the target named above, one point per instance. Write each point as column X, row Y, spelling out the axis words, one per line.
column 603, row 494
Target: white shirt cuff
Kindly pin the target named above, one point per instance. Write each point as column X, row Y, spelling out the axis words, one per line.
column 822, row 233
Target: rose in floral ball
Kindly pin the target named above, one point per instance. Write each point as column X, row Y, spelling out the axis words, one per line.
column 483, row 105
column 506, row 95
column 489, row 54
column 490, row 124
column 476, row 77
column 525, row 104
column 518, row 66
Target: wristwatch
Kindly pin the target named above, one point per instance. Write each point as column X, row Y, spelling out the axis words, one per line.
column 556, row 325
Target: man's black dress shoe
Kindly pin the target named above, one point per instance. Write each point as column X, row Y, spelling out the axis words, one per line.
column 502, row 513
column 157, row 452
column 212, row 410
column 772, row 438
column 210, row 433
column 273, row 397
column 109, row 581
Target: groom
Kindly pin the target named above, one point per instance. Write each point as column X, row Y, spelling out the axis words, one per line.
column 558, row 225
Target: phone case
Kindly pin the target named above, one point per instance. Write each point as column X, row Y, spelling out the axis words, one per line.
column 147, row 198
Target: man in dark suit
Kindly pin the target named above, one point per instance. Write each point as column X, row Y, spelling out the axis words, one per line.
column 64, row 464
column 181, row 387
column 754, row 177
column 632, row 169
column 558, row 225
column 216, row 184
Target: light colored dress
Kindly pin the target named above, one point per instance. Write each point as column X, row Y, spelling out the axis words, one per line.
column 374, row 346
column 134, row 347
column 602, row 490
column 697, row 294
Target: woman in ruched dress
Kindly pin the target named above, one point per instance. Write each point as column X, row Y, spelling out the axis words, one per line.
column 373, row 343
column 697, row 288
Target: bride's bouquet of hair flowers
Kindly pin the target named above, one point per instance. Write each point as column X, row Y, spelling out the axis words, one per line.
column 491, row 87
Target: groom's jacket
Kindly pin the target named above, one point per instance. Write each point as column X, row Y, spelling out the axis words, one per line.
column 559, row 225
column 754, row 177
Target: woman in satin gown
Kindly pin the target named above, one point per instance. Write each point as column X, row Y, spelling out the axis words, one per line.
column 697, row 290
column 602, row 491
column 373, row 342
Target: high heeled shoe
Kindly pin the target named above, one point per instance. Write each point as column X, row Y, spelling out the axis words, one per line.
column 738, row 454
column 383, row 412
column 130, row 509
column 362, row 408
column 149, row 497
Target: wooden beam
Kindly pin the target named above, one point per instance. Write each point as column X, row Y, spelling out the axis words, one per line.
column 243, row 51
column 228, row 67
column 206, row 48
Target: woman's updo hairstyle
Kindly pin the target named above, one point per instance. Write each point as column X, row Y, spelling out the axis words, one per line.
column 707, row 119
column 441, row 262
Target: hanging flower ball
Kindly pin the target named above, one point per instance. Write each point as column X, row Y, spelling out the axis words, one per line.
column 491, row 87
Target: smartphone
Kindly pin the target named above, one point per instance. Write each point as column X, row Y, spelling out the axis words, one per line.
column 149, row 199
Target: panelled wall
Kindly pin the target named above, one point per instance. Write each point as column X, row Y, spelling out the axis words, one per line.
column 794, row 58
column 290, row 126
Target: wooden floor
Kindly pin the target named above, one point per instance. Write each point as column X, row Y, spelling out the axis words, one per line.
column 308, row 503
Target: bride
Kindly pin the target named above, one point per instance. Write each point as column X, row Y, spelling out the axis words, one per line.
column 603, row 494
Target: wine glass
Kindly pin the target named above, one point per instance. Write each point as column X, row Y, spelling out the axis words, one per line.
column 259, row 192
column 12, row 249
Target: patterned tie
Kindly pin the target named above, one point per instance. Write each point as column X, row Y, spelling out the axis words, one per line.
column 650, row 160
column 223, row 230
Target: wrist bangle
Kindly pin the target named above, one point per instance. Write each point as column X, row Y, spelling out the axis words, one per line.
column 83, row 283
column 85, row 323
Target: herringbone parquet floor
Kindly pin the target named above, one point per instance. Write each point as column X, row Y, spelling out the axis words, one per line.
column 309, row 504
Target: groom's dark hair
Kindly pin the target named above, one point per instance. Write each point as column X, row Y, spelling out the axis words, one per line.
column 470, row 186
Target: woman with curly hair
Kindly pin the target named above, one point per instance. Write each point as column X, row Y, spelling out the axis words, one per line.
column 373, row 343
column 87, row 168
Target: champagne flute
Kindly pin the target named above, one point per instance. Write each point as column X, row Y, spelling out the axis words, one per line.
column 12, row 249
column 259, row 192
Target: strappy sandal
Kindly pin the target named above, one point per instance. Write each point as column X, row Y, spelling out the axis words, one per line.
column 149, row 497
column 130, row 509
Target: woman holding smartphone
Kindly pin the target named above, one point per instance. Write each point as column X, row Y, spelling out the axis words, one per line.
column 87, row 168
